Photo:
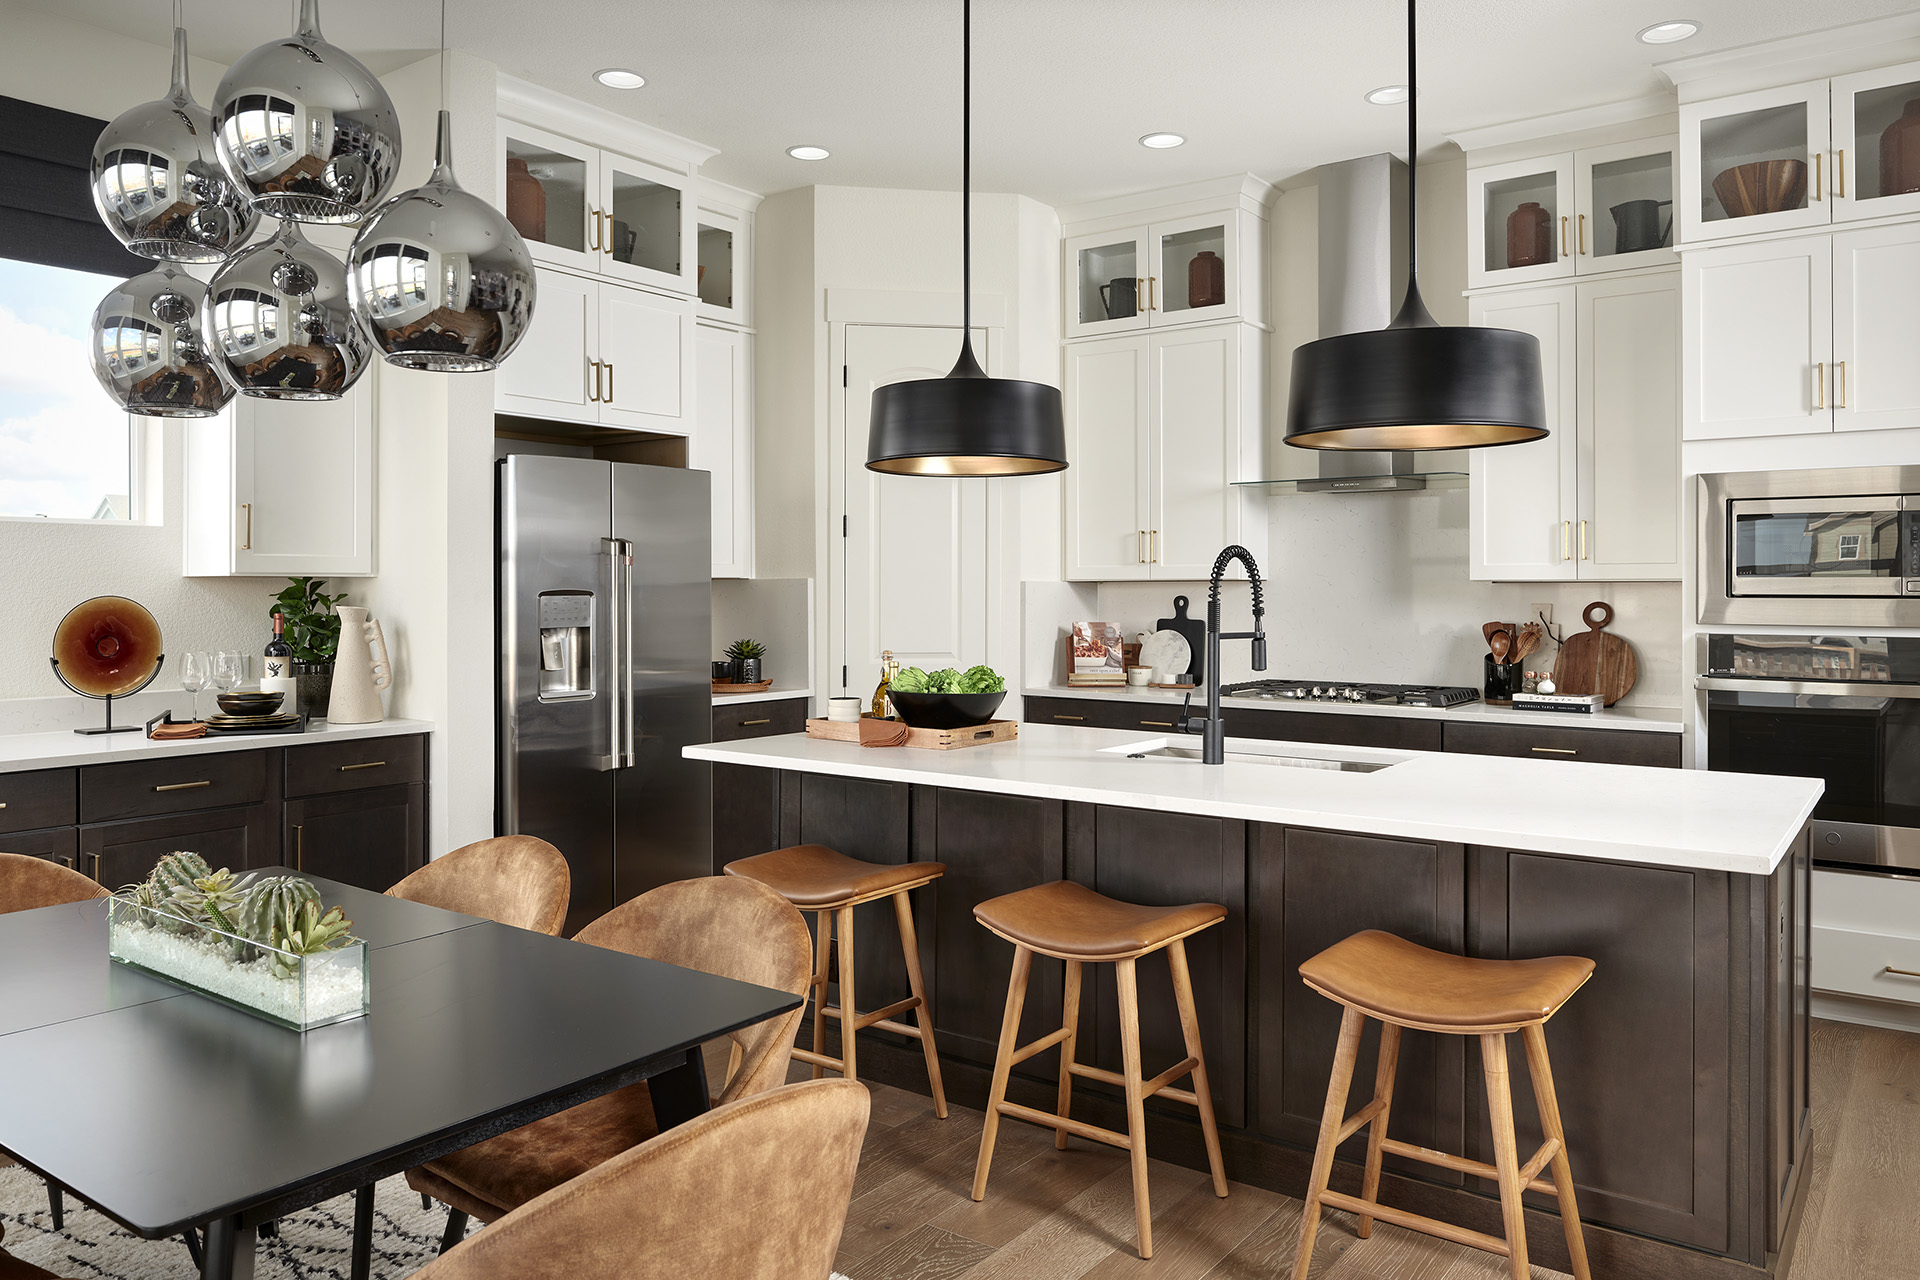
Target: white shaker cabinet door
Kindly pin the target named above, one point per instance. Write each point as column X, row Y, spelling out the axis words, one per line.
column 646, row 346
column 1629, row 434
column 554, row 373
column 1193, row 455
column 1106, row 401
column 1876, row 328
column 1757, row 339
column 722, row 442
column 1522, row 499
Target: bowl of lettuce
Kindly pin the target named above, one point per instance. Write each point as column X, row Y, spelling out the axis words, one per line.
column 947, row 699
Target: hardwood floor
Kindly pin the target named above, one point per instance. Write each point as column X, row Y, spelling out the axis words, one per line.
column 1066, row 1215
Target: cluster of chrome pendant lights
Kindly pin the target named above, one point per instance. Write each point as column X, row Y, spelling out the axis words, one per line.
column 302, row 132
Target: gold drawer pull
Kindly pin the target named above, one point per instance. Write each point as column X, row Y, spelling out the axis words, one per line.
column 3, row 804
column 371, row 764
column 182, row 786
column 1905, row 973
column 1156, row 724
column 1557, row 751
column 299, row 846
column 98, row 863
column 748, row 724
column 1058, row 716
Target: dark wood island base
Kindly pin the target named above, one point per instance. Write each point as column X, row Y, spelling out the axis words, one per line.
column 1682, row 1067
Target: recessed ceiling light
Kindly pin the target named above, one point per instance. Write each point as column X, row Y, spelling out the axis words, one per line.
column 808, row 153
column 1387, row 95
column 619, row 78
column 1161, row 141
column 1669, row 32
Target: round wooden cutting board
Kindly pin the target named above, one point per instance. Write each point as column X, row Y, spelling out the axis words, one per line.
column 1596, row 661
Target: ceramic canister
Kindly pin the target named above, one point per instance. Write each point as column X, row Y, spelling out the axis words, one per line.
column 1529, row 236
column 358, row 675
column 1900, row 153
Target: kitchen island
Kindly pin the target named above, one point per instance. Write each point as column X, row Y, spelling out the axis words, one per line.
column 1682, row 1067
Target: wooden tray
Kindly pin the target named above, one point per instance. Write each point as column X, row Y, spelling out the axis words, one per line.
column 978, row 735
column 728, row 686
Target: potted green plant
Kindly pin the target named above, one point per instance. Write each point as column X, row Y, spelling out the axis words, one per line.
column 747, row 656
column 313, row 633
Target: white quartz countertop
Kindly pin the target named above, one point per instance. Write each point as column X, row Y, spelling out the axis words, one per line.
column 1666, row 817
column 774, row 694
column 22, row 751
column 1642, row 719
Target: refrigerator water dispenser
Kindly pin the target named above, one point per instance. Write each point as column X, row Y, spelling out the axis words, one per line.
column 566, row 645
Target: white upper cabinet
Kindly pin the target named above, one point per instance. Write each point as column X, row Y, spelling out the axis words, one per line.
column 599, row 352
column 1581, row 212
column 722, row 441
column 724, row 268
column 555, row 371
column 1107, row 417
column 1142, row 266
column 1876, row 139
column 1876, row 327
column 1756, row 332
column 1523, row 498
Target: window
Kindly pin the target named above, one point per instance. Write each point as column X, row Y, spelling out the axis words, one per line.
column 66, row 450
column 1849, row 546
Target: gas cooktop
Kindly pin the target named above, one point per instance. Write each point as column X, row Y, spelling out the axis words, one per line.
column 1407, row 695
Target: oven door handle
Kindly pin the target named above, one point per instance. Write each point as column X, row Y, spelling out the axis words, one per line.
column 1835, row 688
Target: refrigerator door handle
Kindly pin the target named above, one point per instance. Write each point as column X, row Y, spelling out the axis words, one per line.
column 619, row 650
column 627, row 699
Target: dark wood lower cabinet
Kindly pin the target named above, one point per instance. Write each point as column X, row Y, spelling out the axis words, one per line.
column 746, row 801
column 120, row 853
column 57, row 844
column 367, row 838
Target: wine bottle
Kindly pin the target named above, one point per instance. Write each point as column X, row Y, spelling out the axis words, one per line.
column 889, row 667
column 279, row 654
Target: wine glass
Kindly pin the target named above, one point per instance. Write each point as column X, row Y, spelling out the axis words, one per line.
column 196, row 669
column 229, row 670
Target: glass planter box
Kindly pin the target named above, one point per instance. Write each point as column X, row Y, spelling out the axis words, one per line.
column 301, row 992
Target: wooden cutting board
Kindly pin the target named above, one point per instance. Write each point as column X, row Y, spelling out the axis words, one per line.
column 1596, row 661
column 1194, row 629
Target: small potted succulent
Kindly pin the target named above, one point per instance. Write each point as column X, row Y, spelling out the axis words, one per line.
column 313, row 633
column 747, row 657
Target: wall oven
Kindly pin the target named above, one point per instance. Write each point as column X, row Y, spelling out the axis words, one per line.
column 1820, row 548
column 1845, row 709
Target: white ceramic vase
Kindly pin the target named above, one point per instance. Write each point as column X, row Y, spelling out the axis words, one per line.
column 361, row 669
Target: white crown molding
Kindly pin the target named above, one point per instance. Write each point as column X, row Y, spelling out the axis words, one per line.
column 1649, row 108
column 536, row 105
column 728, row 198
column 1857, row 46
column 1241, row 189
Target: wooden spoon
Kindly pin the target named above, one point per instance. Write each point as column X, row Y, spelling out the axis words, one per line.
column 1501, row 644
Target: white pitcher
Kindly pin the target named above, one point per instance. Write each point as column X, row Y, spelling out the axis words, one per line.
column 359, row 676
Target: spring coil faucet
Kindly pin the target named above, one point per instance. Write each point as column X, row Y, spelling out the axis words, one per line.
column 1213, row 741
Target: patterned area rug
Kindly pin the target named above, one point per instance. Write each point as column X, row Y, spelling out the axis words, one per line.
column 314, row 1244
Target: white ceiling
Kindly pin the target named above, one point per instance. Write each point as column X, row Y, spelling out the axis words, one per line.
column 1062, row 88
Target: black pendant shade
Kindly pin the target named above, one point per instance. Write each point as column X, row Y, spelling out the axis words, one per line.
column 967, row 424
column 1417, row 384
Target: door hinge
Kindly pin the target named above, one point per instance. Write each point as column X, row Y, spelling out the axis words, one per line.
column 843, row 376
column 843, row 677
column 843, row 526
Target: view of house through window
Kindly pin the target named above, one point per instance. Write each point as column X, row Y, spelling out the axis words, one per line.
column 65, row 448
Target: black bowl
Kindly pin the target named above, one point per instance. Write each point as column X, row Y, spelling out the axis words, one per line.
column 250, row 703
column 946, row 710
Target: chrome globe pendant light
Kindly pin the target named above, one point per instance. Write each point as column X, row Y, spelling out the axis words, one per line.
column 157, row 181
column 305, row 130
column 148, row 349
column 438, row 278
column 966, row 424
column 1417, row 384
column 279, row 324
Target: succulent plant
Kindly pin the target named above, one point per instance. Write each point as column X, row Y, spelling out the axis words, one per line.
column 177, row 870
column 741, row 650
column 214, row 899
column 304, row 931
column 270, row 902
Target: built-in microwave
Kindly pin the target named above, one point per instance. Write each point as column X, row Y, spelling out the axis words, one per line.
column 1825, row 548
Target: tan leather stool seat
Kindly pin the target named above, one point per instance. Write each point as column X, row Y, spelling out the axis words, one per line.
column 1394, row 980
column 816, row 878
column 1069, row 921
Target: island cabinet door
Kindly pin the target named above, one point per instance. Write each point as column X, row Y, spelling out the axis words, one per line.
column 1309, row 890
column 991, row 845
column 1641, row 1054
column 1781, row 903
column 371, row 839
column 1170, row 859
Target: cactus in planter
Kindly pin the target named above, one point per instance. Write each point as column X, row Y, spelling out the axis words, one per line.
column 306, row 931
column 270, row 903
column 177, row 871
column 214, row 899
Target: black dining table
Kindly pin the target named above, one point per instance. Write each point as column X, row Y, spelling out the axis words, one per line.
column 171, row 1112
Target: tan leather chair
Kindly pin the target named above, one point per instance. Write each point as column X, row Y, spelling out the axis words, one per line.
column 756, row 1190
column 518, row 880
column 735, row 928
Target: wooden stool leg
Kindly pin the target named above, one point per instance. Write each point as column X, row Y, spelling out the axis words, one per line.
column 1506, row 1155
column 1377, row 1131
column 849, row 1009
column 1549, row 1104
column 1190, row 1032
column 1136, row 1099
column 1070, row 1020
column 923, row 1016
column 1352, row 1022
column 1002, row 1065
column 822, row 974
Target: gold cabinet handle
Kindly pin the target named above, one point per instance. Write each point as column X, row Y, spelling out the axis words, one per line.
column 593, row 375
column 299, row 847
column 1583, row 234
column 1555, row 751
column 1820, row 385
column 1566, row 539
column 246, row 539
column 1156, row 724
column 1818, row 156
column 3, row 804
column 371, row 764
column 1139, row 295
column 1151, row 303
column 1840, row 173
column 97, row 861
column 609, row 382
column 1058, row 716
column 1153, row 546
column 748, row 724
column 1905, row 973
column 1583, row 539
column 594, row 239
column 1564, row 251
column 64, row 861
column 183, row 786
column 1840, row 385
column 1139, row 546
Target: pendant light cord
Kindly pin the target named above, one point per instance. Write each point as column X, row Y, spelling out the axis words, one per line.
column 966, row 172
column 444, row 76
column 1413, row 148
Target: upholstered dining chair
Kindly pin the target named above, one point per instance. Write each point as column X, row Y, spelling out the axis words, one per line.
column 735, row 928
column 27, row 883
column 756, row 1190
column 517, row 880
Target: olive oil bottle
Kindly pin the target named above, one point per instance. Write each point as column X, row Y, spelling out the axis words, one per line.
column 889, row 668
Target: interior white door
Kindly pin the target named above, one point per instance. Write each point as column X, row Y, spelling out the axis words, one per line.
column 646, row 344
column 912, row 576
column 1757, row 339
column 1629, row 434
column 1876, row 315
column 1522, row 498
column 722, row 442
column 1196, row 414
column 303, row 483
column 549, row 375
column 1106, row 403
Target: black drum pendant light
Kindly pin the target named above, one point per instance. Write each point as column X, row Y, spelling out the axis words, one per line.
column 1417, row 384
column 967, row 424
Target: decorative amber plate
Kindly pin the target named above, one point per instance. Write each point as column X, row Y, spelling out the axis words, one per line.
column 106, row 647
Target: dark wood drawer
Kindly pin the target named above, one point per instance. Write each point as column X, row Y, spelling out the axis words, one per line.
column 1402, row 733
column 59, row 844
column 737, row 720
column 177, row 784
column 42, row 798
column 120, row 853
column 1600, row 746
column 322, row 768
column 1090, row 713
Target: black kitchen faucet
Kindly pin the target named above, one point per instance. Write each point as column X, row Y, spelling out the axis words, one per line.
column 1213, row 730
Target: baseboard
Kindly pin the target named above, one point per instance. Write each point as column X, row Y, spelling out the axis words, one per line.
column 1891, row 1015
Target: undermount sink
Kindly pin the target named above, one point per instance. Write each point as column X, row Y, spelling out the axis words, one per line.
column 1166, row 751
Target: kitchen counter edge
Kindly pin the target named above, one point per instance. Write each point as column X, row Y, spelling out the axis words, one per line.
column 64, row 749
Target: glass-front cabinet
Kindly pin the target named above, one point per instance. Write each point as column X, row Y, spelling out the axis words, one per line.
column 1574, row 213
column 550, row 185
column 724, row 271
column 1182, row 271
column 1755, row 162
column 1624, row 211
column 1876, row 141
column 644, row 223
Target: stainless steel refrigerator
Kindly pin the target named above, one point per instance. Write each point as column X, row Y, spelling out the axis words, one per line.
column 604, row 602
